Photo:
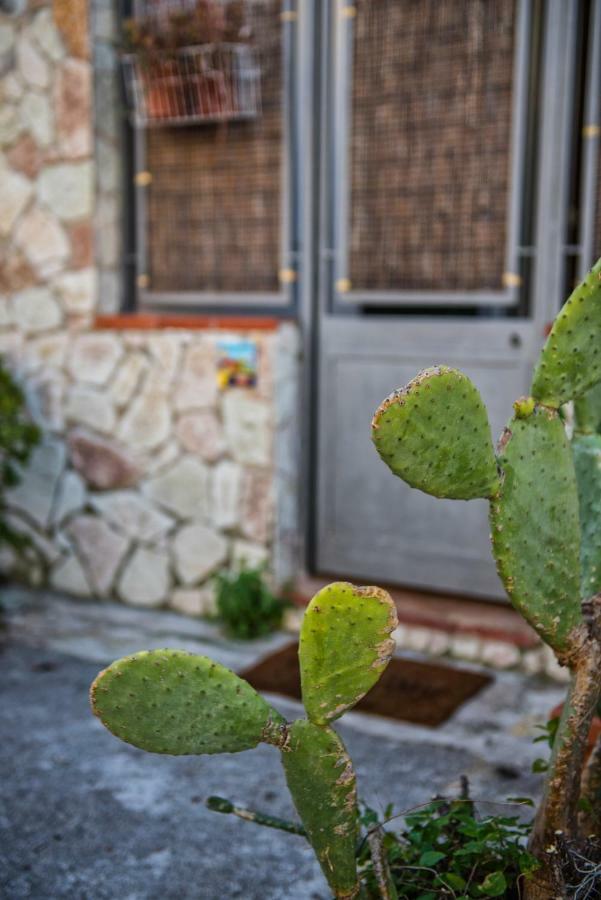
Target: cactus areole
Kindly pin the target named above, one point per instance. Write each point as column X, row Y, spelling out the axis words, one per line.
column 544, row 493
column 168, row 701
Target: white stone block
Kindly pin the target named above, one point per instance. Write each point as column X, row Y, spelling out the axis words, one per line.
column 198, row 551
column 145, row 580
column 182, row 489
column 247, row 427
column 67, row 189
column 87, row 406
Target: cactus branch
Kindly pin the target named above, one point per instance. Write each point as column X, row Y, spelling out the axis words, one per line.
column 221, row 805
column 569, row 364
column 344, row 648
column 434, row 434
column 558, row 810
column 375, row 840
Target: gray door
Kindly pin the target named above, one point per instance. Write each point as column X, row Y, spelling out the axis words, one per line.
column 444, row 179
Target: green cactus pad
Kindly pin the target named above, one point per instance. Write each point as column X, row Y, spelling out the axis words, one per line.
column 587, row 461
column 345, row 645
column 168, row 701
column 434, row 434
column 587, row 412
column 320, row 777
column 535, row 528
column 570, row 362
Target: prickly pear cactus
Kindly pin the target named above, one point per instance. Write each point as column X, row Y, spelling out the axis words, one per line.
column 586, row 450
column 321, row 780
column 535, row 530
column 168, row 701
column 570, row 363
column 442, row 410
column 345, row 645
column 545, row 505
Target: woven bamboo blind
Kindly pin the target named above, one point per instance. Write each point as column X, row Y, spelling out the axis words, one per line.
column 430, row 143
column 214, row 202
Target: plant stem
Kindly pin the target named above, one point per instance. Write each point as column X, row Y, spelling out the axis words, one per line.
column 220, row 804
column 380, row 864
column 558, row 810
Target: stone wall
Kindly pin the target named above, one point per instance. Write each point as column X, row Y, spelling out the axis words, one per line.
column 149, row 477
column 46, row 167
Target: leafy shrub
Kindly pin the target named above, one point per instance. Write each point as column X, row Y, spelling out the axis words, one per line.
column 18, row 437
column 246, row 605
column 448, row 850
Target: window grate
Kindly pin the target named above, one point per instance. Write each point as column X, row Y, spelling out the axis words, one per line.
column 430, row 155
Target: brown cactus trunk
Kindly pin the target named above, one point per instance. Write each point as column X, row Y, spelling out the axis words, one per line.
column 589, row 819
column 557, row 817
column 543, row 886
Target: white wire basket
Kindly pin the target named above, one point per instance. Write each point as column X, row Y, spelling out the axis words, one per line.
column 208, row 83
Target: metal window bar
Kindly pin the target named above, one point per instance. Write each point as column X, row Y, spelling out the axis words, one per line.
column 283, row 298
column 345, row 293
column 590, row 188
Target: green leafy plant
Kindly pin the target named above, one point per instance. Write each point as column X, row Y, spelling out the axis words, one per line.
column 446, row 849
column 18, row 437
column 167, row 701
column 434, row 434
column 246, row 605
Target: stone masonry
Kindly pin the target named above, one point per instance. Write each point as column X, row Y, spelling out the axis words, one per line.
column 149, row 478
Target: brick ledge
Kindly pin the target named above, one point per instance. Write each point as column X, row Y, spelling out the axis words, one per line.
column 158, row 321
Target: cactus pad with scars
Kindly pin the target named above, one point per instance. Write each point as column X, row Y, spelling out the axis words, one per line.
column 345, row 645
column 570, row 363
column 535, row 526
column 586, row 449
column 320, row 777
column 434, row 434
column 168, row 701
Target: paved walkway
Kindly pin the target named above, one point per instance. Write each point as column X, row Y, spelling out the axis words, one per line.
column 86, row 817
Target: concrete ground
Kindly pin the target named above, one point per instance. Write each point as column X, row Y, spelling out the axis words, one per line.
column 87, row 817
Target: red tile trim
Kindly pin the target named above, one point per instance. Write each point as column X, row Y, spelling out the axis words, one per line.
column 157, row 321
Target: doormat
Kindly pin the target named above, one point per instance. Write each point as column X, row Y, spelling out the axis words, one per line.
column 410, row 691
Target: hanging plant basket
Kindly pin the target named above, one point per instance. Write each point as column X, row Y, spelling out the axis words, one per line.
column 207, row 83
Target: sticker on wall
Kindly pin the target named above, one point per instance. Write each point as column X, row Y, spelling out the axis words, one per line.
column 236, row 363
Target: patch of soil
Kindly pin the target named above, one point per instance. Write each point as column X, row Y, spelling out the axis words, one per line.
column 411, row 691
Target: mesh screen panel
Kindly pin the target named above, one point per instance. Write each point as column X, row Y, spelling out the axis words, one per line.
column 214, row 203
column 430, row 143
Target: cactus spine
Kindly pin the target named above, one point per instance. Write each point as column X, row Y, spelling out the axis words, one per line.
column 168, row 701
column 545, row 505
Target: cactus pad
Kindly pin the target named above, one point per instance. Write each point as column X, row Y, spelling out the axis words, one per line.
column 535, row 527
column 587, row 411
column 168, row 701
column 321, row 780
column 434, row 434
column 345, row 645
column 570, row 362
column 587, row 461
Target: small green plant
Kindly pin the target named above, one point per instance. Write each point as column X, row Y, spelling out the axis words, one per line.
column 18, row 437
column 447, row 849
column 167, row 701
column 545, row 498
column 246, row 605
